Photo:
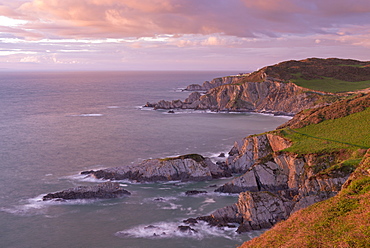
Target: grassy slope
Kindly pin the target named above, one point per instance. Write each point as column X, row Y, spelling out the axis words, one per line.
column 331, row 84
column 350, row 132
column 341, row 221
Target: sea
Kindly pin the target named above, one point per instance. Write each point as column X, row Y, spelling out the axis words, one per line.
column 53, row 125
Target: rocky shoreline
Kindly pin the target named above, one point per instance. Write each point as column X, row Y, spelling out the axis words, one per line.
column 272, row 183
column 271, row 96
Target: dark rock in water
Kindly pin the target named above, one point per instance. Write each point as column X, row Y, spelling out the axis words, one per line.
column 150, row 105
column 222, row 155
column 105, row 190
column 87, row 172
column 190, row 221
column 171, row 112
column 213, row 186
column 195, row 192
column 159, row 199
column 186, row 229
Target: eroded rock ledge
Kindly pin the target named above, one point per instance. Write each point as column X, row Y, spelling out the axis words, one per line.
column 191, row 167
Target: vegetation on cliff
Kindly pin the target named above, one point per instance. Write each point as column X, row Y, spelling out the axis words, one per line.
column 328, row 75
column 336, row 110
column 350, row 132
column 341, row 221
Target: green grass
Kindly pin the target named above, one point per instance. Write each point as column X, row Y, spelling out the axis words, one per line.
column 350, row 132
column 196, row 157
column 359, row 66
column 331, row 85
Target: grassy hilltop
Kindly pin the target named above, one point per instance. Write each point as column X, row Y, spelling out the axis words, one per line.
column 328, row 75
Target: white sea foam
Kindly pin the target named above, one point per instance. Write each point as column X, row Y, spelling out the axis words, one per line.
column 167, row 230
column 113, row 107
column 36, row 206
column 209, row 200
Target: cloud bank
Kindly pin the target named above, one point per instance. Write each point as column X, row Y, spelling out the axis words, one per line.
column 152, row 27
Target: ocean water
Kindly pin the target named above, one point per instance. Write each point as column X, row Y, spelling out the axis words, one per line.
column 55, row 125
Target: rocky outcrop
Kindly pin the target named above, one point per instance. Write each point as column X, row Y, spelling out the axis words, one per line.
column 195, row 192
column 247, row 152
column 213, row 84
column 275, row 183
column 191, row 167
column 267, row 97
column 253, row 211
column 105, row 190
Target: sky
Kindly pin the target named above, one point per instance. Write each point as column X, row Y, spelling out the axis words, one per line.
column 237, row 35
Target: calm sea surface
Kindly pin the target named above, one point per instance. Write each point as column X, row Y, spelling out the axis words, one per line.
column 54, row 125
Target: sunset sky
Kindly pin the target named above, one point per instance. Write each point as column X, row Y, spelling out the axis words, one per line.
column 178, row 34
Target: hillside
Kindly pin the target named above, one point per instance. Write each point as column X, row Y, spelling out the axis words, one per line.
column 336, row 110
column 328, row 75
column 341, row 221
column 289, row 169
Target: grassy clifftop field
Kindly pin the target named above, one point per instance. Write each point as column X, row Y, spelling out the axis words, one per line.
column 328, row 75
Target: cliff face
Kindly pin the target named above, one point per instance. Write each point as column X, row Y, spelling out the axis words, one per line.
column 342, row 221
column 207, row 85
column 274, row 89
column 246, row 153
column 268, row 96
column 275, row 183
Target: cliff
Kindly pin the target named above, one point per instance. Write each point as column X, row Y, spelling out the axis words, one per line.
column 341, row 221
column 281, row 175
column 207, row 85
column 285, row 88
column 268, row 96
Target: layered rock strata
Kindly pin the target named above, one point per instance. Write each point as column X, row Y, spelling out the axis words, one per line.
column 191, row 167
column 253, row 211
column 207, row 85
column 275, row 183
column 105, row 190
column 268, row 97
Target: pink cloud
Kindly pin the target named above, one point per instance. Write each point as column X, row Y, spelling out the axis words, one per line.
column 195, row 33
column 243, row 18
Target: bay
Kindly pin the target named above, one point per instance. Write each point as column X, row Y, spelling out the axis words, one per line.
column 54, row 125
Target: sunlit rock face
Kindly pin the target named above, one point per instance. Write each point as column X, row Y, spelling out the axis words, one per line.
column 266, row 97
